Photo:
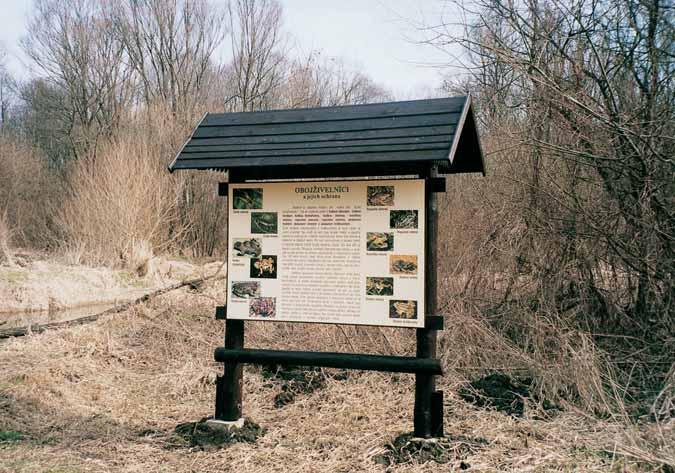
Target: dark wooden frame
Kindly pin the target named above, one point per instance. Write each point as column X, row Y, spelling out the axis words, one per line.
column 428, row 410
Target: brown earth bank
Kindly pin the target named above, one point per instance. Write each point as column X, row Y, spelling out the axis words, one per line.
column 109, row 396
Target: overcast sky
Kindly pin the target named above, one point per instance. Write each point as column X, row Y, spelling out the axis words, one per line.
column 374, row 36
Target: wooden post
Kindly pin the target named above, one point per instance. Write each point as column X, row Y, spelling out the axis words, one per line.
column 229, row 386
column 428, row 421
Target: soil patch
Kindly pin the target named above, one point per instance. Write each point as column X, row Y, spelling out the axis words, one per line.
column 406, row 448
column 294, row 380
column 205, row 437
column 503, row 393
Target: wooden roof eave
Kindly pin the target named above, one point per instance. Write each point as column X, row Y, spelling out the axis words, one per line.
column 465, row 131
column 192, row 133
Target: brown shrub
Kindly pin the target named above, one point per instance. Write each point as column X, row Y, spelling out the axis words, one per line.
column 28, row 193
column 5, row 237
column 118, row 201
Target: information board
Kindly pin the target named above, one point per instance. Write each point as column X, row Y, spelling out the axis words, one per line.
column 349, row 252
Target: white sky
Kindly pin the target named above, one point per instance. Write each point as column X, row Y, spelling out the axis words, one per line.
column 374, row 36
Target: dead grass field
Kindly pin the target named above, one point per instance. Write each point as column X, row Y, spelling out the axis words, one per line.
column 107, row 397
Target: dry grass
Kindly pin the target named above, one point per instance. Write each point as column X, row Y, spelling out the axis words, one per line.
column 106, row 397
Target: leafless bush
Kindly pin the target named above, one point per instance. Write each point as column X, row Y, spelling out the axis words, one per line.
column 27, row 193
column 204, row 214
column 5, row 237
column 125, row 200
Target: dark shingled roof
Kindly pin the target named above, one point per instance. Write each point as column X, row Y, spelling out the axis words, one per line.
column 374, row 136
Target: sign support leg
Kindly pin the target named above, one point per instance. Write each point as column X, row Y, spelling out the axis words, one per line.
column 428, row 412
column 229, row 386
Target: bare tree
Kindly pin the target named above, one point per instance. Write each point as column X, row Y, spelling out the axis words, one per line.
column 72, row 45
column 170, row 44
column 7, row 86
column 314, row 82
column 258, row 51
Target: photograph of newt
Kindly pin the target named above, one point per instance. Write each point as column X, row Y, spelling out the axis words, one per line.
column 264, row 222
column 403, row 219
column 247, row 199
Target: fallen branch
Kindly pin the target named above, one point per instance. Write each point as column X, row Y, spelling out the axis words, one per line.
column 21, row 331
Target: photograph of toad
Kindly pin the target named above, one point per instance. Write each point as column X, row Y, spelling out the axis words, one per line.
column 263, row 307
column 402, row 309
column 403, row 264
column 380, row 196
column 245, row 289
column 379, row 241
column 379, row 286
column 251, row 247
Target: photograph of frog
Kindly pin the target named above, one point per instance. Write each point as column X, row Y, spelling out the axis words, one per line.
column 245, row 289
column 402, row 309
column 377, row 241
column 264, row 222
column 264, row 267
column 376, row 286
column 251, row 247
column 403, row 264
column 403, row 219
column 380, row 196
column 263, row 307
column 243, row 199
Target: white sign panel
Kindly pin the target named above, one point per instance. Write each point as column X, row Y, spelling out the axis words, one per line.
column 348, row 252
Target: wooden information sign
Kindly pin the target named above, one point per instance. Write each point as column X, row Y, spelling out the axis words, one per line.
column 333, row 218
column 348, row 252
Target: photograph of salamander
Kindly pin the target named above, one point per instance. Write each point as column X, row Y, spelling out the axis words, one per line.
column 263, row 307
column 251, row 247
column 379, row 241
column 403, row 264
column 376, row 286
column 264, row 267
column 264, row 222
column 243, row 199
column 245, row 289
column 402, row 309
column 380, row 196
column 403, row 219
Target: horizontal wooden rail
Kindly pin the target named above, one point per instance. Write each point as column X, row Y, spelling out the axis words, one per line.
column 398, row 364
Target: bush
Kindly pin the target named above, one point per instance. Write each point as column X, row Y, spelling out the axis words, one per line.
column 118, row 202
column 28, row 194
